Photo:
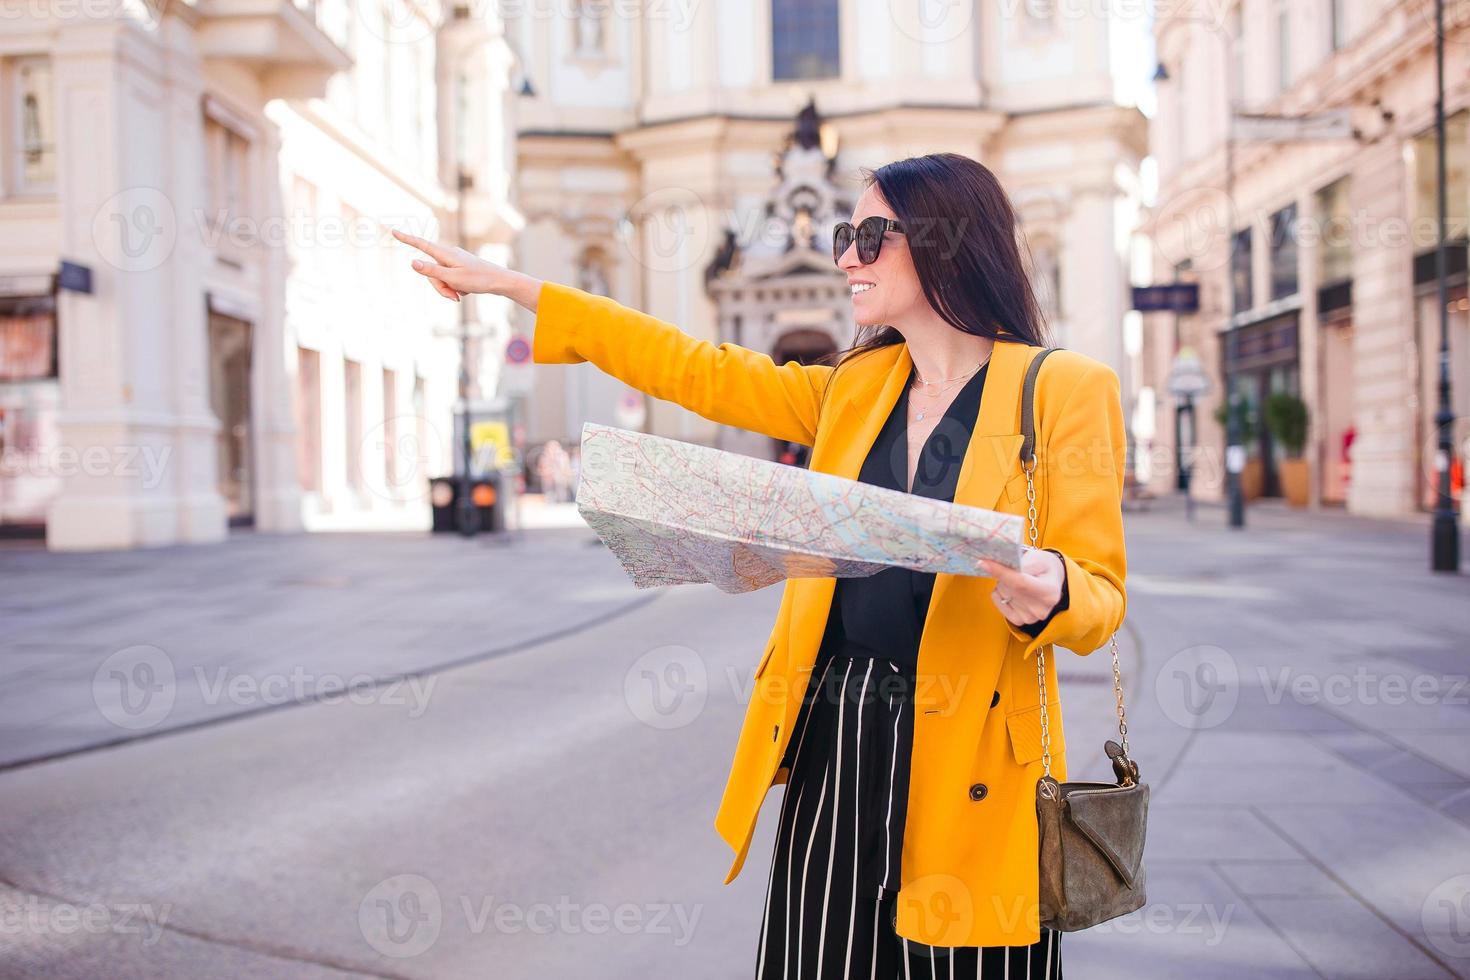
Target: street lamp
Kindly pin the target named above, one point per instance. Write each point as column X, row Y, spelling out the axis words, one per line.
column 1187, row 381
column 468, row 516
column 1445, row 532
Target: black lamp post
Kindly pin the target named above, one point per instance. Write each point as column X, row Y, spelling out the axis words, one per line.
column 1234, row 457
column 1445, row 531
column 469, row 514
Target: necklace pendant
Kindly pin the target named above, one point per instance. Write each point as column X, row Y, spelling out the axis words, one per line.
column 919, row 417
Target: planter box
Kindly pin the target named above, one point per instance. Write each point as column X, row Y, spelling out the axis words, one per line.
column 1253, row 479
column 1296, row 479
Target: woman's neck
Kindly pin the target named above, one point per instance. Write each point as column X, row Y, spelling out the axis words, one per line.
column 939, row 351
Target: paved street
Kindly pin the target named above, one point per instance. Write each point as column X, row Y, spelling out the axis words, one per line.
column 390, row 755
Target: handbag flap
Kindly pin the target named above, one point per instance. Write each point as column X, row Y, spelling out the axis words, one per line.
column 1113, row 819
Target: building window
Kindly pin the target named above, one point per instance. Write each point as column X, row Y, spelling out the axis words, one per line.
column 421, row 445
column 27, row 338
column 392, row 478
column 305, row 252
column 31, row 159
column 805, row 39
column 227, row 184
column 1240, row 272
column 352, row 421
column 1335, row 237
column 309, row 420
column 589, row 26
column 1426, row 182
column 1283, row 253
column 1046, row 278
column 1283, row 46
column 1039, row 18
column 1236, row 45
column 592, row 272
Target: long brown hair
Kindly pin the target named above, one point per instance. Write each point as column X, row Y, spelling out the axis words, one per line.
column 966, row 246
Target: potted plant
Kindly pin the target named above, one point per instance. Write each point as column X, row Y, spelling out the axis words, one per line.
column 1286, row 418
column 1253, row 475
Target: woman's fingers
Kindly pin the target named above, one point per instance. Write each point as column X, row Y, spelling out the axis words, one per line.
column 445, row 289
column 1026, row 594
column 439, row 253
column 1009, row 579
column 449, row 282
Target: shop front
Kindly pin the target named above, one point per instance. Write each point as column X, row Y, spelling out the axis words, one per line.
column 1260, row 359
column 30, row 399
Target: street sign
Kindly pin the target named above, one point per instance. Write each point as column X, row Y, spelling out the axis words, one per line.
column 1335, row 124
column 74, row 277
column 518, row 351
column 1187, row 378
column 1175, row 297
column 1235, row 457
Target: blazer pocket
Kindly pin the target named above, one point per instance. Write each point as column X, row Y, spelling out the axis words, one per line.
column 1016, row 488
column 760, row 668
column 1024, row 727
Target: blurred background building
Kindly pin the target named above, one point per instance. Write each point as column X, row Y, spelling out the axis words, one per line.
column 205, row 324
column 252, row 347
column 691, row 160
column 1320, row 282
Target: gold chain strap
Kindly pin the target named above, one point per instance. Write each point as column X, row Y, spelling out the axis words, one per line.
column 1029, row 468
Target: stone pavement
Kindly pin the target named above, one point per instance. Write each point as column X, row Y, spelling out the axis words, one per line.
column 1298, row 702
column 1300, row 708
column 262, row 621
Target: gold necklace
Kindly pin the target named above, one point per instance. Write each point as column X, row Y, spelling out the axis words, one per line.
column 949, row 383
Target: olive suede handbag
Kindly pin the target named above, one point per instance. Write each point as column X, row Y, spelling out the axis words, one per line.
column 1091, row 833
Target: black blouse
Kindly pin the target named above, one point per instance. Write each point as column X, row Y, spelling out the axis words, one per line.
column 882, row 615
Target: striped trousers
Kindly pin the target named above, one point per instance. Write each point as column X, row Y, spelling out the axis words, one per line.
column 835, row 868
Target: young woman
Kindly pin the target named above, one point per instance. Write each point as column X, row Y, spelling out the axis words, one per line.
column 907, row 838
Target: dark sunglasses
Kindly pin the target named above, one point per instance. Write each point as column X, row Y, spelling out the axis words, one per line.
column 869, row 235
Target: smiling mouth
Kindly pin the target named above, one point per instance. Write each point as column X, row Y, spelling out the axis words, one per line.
column 861, row 287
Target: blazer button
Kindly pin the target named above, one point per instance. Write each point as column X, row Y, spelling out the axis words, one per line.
column 978, row 792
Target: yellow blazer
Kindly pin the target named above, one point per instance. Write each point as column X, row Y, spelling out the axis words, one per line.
column 969, row 866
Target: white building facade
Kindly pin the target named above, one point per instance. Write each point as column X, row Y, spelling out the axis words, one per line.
column 1316, row 268
column 689, row 160
column 254, row 349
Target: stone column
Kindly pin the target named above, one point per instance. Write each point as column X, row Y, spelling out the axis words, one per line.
column 1383, row 336
column 133, row 354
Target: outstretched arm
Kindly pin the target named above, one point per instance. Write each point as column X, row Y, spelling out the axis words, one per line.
column 725, row 383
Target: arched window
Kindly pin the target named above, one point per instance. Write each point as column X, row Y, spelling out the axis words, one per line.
column 1041, row 17
column 592, row 272
column 1046, row 276
column 804, row 39
column 589, row 28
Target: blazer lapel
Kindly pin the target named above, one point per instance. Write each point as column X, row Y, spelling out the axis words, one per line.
column 872, row 385
column 994, row 445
